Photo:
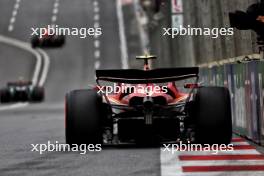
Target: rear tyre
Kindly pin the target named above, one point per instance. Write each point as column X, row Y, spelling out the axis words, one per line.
column 34, row 41
column 5, row 96
column 60, row 40
column 84, row 113
column 37, row 94
column 213, row 116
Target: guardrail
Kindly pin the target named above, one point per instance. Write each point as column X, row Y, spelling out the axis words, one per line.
column 245, row 81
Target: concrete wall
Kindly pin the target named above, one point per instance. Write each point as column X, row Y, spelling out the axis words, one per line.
column 193, row 50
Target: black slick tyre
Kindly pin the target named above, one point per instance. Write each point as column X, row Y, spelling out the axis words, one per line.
column 37, row 94
column 5, row 96
column 83, row 117
column 213, row 116
column 34, row 41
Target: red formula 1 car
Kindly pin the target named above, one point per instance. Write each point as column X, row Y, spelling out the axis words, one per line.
column 47, row 41
column 148, row 107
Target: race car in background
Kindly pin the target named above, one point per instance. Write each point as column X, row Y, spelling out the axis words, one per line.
column 199, row 115
column 21, row 91
column 47, row 41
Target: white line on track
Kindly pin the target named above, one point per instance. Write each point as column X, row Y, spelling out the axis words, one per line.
column 55, row 11
column 96, row 9
column 13, row 17
column 97, row 54
column 36, row 74
column 56, row 4
column 17, row 5
column 10, row 28
column 95, row 3
column 122, row 35
column 46, row 66
column 97, row 17
column 96, row 43
column 53, row 19
column 12, row 20
column 14, row 13
column 96, row 24
column 13, row 106
column 25, row 46
column 96, row 36
column 97, row 64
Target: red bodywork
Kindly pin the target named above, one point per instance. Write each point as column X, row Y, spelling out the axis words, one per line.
column 172, row 96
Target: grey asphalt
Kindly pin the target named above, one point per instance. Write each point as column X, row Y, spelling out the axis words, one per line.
column 72, row 67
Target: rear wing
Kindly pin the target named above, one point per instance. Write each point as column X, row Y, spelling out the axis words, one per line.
column 20, row 83
column 134, row 76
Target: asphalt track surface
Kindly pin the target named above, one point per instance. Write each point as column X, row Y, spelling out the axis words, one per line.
column 72, row 67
